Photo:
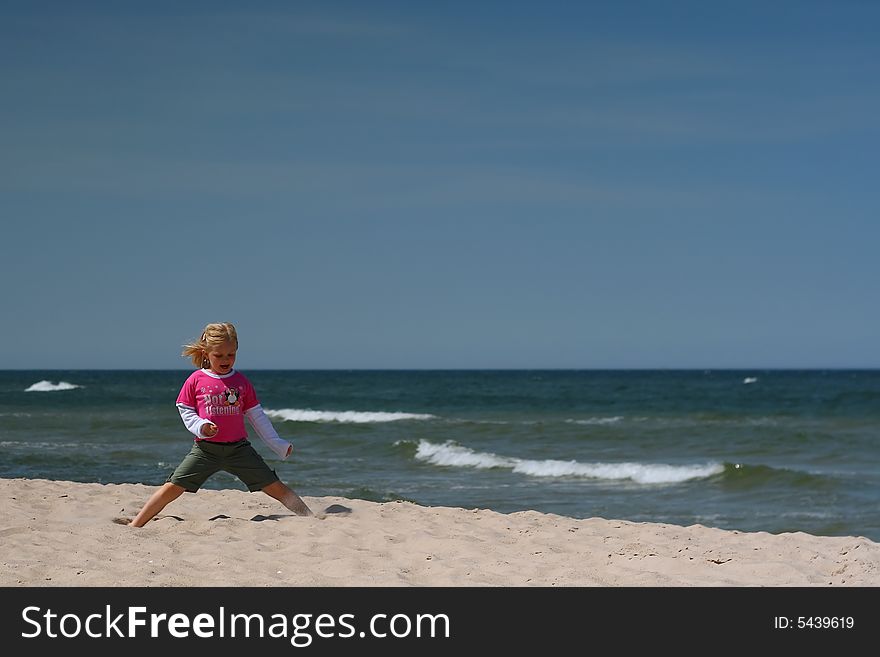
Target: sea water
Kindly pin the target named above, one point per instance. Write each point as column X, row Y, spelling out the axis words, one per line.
column 775, row 451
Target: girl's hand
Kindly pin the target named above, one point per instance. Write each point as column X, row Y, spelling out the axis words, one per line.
column 209, row 430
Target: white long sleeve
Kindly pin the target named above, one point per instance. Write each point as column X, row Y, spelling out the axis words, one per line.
column 191, row 420
column 263, row 426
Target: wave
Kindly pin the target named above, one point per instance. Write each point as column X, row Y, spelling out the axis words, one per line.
column 744, row 476
column 343, row 417
column 750, row 379
column 48, row 386
column 29, row 445
column 598, row 420
column 451, row 454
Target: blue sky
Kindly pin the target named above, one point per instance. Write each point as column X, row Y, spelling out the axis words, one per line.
column 441, row 185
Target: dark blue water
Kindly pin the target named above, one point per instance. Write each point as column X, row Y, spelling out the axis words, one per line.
column 749, row 450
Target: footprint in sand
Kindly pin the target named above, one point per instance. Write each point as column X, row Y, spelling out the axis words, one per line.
column 260, row 517
column 337, row 508
column 127, row 521
column 333, row 508
column 13, row 530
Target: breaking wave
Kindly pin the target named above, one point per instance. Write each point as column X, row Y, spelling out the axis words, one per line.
column 343, row 417
column 453, row 455
column 48, row 386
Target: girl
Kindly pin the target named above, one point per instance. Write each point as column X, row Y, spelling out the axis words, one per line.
column 213, row 403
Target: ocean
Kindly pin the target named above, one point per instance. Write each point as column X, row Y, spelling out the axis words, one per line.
column 773, row 451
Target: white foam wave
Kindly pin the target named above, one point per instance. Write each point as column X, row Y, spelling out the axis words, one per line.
column 450, row 454
column 750, row 379
column 48, row 386
column 598, row 420
column 30, row 445
column 456, row 455
column 343, row 417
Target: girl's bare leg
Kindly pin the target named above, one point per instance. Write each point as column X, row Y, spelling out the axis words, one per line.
column 288, row 498
column 167, row 493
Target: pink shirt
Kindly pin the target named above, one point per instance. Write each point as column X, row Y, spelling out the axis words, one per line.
column 221, row 399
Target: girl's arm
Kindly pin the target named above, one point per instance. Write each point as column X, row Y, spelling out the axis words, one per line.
column 193, row 422
column 263, row 426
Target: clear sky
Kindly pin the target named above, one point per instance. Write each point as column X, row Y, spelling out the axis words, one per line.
column 441, row 184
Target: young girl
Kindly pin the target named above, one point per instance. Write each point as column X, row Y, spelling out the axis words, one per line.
column 213, row 403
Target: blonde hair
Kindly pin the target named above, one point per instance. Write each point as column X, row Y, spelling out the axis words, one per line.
column 213, row 336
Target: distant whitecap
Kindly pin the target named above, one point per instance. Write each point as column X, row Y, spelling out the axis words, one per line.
column 598, row 420
column 343, row 417
column 48, row 386
column 750, row 379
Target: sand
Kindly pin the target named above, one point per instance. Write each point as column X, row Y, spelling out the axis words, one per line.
column 56, row 533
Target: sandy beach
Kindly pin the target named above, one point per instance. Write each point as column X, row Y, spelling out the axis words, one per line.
column 57, row 533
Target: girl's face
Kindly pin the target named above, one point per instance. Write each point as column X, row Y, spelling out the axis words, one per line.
column 222, row 357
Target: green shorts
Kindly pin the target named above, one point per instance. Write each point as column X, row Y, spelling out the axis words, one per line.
column 238, row 458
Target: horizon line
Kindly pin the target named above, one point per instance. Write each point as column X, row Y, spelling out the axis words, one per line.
column 761, row 368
